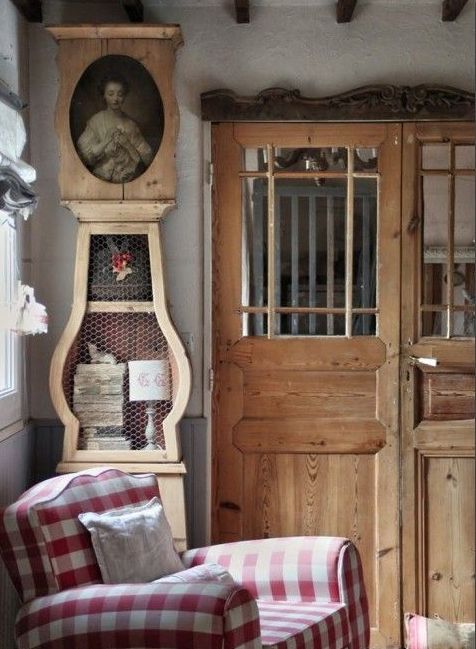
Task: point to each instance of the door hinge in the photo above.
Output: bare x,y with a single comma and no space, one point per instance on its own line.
210,173
211,379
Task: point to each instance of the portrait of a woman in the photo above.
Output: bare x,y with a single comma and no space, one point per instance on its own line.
118,142
112,145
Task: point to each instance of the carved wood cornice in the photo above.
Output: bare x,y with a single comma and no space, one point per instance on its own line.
385,103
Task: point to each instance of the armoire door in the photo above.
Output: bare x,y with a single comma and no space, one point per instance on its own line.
305,320
437,369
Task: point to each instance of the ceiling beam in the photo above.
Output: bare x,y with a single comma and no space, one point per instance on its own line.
30,9
451,9
134,10
344,10
242,8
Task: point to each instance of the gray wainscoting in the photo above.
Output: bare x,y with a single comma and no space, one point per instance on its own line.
48,449
16,475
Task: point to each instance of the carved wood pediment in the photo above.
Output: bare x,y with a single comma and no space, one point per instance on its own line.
367,103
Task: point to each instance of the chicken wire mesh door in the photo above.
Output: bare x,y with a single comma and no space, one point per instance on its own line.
119,330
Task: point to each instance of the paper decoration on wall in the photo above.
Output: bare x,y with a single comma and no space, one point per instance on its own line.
26,316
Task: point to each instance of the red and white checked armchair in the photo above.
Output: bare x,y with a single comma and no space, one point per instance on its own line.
300,593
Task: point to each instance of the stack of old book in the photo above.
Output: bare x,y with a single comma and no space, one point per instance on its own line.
98,401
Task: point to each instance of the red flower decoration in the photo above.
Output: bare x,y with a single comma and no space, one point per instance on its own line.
120,261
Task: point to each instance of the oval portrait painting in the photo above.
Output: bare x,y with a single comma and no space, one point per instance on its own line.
116,118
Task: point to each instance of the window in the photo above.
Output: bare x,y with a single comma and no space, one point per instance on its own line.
309,241
10,398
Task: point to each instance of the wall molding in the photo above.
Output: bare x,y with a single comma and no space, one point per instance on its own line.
381,103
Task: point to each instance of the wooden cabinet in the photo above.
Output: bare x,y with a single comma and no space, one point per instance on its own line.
117,122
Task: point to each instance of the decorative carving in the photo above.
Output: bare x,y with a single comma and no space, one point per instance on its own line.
368,103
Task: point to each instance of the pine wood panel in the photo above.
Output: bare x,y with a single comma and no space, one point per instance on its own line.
315,394
449,538
447,396
75,180
300,435
227,461
306,494
293,353
158,57
441,435
309,135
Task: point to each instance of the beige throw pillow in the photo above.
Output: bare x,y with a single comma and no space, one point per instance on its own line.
132,544
203,572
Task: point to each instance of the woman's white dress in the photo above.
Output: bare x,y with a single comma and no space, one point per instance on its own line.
120,166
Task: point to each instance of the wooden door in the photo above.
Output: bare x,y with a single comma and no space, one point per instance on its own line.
306,304
438,294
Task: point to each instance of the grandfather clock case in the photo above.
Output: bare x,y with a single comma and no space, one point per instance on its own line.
120,377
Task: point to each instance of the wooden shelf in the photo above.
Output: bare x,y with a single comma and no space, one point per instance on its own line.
120,307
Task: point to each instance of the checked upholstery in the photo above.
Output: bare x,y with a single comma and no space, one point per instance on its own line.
288,593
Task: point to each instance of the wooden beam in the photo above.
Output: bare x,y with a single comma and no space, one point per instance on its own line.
242,8
344,10
134,10
451,9
30,9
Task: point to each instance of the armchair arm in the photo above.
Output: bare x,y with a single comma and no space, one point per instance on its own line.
136,616
319,568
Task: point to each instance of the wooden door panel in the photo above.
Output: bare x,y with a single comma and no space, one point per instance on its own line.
437,402
312,394
305,428
446,396
449,537
312,494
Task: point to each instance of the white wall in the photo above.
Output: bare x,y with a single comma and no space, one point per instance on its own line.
299,47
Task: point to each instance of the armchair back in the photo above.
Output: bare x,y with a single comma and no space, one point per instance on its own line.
42,543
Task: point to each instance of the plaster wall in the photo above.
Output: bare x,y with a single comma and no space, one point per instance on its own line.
292,45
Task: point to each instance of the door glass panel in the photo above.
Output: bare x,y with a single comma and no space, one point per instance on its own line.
254,159
435,156
464,211
435,239
464,268
310,243
365,243
464,157
311,159
254,257
311,324
254,324
295,254
364,325
365,159
434,323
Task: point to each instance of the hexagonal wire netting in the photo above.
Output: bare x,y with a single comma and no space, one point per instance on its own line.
96,373
96,380
119,268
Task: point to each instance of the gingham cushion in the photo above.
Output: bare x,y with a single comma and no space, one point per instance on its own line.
136,616
321,569
307,625
302,568
353,594
44,546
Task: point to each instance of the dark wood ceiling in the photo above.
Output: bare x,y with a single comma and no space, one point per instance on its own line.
134,10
